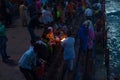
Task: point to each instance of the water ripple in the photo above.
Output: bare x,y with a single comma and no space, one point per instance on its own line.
113,18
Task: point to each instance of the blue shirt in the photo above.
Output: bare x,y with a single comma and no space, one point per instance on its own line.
83,36
28,60
68,45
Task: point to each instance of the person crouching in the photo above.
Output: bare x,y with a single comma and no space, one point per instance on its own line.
27,62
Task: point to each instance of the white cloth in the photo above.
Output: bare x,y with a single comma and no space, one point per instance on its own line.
41,42
88,12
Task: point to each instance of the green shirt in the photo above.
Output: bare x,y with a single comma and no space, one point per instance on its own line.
2,30
58,13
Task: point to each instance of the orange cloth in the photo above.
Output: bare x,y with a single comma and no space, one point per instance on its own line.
50,36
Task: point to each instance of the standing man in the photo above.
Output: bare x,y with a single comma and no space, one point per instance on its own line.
34,22
3,41
69,54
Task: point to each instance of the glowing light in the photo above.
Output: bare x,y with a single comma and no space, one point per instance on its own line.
62,39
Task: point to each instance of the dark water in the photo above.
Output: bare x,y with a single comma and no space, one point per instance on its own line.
113,21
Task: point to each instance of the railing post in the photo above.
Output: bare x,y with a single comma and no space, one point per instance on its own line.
107,64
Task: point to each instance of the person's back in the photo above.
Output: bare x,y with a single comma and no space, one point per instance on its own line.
32,9
68,45
27,59
69,42
83,36
99,25
33,24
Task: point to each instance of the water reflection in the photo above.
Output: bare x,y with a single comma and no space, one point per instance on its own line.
113,18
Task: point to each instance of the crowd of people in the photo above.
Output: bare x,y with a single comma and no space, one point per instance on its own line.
54,16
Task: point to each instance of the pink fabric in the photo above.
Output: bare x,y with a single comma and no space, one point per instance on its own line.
91,38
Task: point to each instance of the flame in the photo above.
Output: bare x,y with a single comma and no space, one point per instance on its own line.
62,39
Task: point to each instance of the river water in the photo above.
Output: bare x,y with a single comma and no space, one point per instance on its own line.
113,22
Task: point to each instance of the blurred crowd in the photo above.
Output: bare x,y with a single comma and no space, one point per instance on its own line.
54,17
